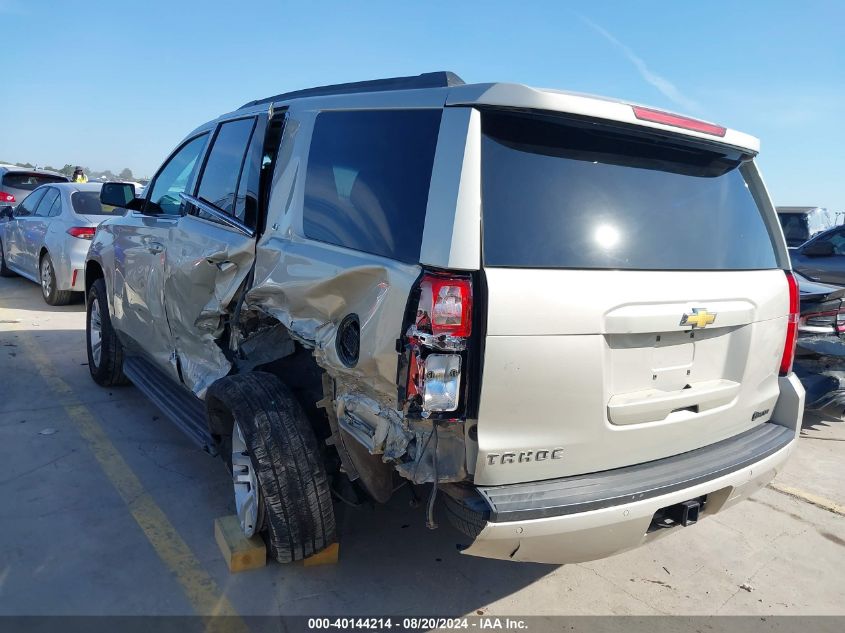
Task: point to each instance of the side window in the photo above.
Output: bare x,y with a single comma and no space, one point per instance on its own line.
366,185
43,209
27,206
175,177
219,181
837,238
56,209
246,203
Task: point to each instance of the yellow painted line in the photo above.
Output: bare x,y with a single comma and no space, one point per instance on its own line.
200,588
809,497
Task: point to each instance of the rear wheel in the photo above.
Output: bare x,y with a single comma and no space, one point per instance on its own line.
5,271
280,482
466,520
49,285
105,353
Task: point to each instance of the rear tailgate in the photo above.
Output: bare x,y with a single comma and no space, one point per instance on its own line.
637,304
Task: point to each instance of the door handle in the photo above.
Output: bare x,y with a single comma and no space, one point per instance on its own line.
155,247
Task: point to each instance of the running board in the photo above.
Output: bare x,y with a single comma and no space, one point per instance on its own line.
183,408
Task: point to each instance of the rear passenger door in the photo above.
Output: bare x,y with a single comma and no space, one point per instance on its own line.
17,250
212,248
38,225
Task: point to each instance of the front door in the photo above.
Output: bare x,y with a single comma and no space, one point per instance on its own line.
212,249
140,244
17,234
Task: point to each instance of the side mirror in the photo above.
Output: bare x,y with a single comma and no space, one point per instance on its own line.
6,212
117,194
818,249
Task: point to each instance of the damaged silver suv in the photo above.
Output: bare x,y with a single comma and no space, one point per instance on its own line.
574,316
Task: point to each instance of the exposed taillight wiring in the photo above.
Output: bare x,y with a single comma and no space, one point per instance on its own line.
437,340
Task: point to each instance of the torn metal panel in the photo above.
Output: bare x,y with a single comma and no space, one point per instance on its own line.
310,288
449,452
263,346
206,263
405,443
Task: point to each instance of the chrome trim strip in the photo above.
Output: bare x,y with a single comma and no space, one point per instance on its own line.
224,218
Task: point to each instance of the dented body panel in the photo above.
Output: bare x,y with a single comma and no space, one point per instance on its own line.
541,372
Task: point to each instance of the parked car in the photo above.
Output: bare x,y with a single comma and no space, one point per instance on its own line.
16,183
46,237
820,354
306,290
822,258
803,223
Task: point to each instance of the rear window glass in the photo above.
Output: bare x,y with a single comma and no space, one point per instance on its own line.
795,228
27,181
367,182
557,194
88,203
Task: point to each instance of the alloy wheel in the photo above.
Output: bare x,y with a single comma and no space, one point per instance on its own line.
46,277
95,332
248,501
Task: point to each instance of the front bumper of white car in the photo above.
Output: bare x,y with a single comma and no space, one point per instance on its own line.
583,518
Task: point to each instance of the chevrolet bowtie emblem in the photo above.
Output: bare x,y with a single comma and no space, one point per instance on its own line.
700,317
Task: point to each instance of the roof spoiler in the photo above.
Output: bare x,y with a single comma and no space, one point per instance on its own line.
440,79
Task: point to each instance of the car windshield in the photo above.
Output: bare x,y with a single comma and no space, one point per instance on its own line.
88,203
558,193
29,181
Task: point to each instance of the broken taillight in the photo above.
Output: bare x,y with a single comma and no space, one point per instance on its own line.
438,339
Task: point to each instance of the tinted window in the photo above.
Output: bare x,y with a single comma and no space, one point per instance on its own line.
560,195
47,202
795,228
30,202
837,239
56,209
246,203
367,181
88,203
175,177
219,182
27,181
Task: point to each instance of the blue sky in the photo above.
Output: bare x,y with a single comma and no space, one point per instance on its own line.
114,84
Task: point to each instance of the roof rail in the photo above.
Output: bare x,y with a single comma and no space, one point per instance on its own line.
440,79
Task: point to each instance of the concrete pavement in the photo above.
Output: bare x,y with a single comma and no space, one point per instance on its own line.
75,538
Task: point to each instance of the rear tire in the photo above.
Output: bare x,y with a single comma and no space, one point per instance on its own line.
49,285
466,520
105,353
5,271
298,516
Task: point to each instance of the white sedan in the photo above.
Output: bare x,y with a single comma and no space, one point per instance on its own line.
46,237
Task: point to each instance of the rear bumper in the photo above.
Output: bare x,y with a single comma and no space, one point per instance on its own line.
576,519
70,259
